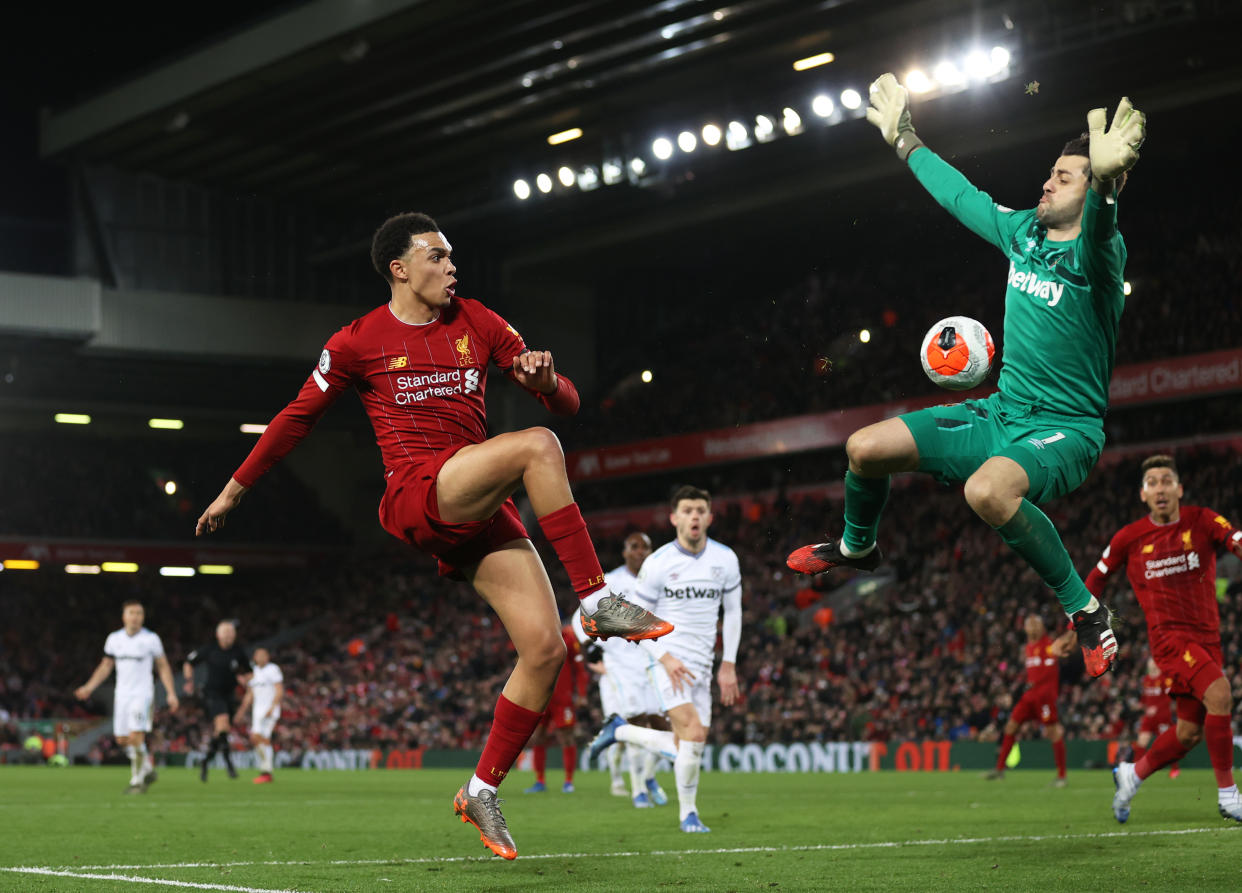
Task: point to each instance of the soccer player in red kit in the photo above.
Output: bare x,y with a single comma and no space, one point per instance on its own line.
561,717
1170,560
1157,712
1039,702
419,364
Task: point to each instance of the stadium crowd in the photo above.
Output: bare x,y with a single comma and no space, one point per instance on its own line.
934,652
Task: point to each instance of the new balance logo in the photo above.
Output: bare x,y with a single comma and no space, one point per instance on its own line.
1035,287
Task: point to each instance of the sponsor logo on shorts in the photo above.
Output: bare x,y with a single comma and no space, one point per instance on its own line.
1189,658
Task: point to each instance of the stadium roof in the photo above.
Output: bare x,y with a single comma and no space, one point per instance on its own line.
451,100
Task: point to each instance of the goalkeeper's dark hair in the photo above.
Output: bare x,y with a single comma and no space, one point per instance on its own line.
392,239
1081,146
1160,460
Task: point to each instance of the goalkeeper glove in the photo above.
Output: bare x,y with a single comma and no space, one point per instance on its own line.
1113,152
890,111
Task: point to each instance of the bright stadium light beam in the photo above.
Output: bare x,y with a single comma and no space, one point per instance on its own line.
638,166
21,564
999,58
566,176
612,171
170,487
119,567
712,135
252,428
823,105
83,569
1126,288
588,178
737,136
864,335
978,65
813,61
72,418
791,121
851,98
765,129
166,424
520,188
687,141
917,81
947,73
215,569
647,376
564,136
662,148
544,182
176,572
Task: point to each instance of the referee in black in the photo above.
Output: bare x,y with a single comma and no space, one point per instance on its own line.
227,666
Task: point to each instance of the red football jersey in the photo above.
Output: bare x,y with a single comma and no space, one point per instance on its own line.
422,385
1172,568
1156,696
1042,671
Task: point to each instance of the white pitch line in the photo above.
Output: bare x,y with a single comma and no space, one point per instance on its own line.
130,879
822,847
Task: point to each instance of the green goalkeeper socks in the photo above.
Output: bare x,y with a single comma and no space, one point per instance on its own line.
864,501
1031,535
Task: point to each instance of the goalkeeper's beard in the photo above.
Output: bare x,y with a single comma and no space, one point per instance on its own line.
1053,218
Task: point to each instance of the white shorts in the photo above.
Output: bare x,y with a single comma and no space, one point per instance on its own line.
628,694
131,713
263,726
698,692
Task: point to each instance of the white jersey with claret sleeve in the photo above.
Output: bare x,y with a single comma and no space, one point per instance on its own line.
688,591
135,660
263,684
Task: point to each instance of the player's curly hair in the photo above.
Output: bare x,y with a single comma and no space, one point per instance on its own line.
686,491
392,239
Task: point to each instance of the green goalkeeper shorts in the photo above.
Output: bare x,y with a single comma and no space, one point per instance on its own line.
1056,452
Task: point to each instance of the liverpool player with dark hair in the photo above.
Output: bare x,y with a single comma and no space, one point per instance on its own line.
1039,702
227,667
419,363
1170,560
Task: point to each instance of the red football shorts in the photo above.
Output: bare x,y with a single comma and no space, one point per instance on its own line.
411,513
559,715
1036,705
1192,666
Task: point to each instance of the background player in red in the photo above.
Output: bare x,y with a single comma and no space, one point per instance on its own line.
419,364
1170,560
561,717
1157,712
1039,702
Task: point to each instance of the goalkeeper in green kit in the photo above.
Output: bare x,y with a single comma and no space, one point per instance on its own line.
1042,432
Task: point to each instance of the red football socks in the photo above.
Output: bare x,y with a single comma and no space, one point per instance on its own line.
511,729
569,756
1218,736
1058,753
1164,750
539,755
1006,746
567,533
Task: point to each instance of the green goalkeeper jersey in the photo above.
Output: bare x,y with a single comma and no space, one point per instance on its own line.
1063,302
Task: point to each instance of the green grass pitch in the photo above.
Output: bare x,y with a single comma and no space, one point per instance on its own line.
376,831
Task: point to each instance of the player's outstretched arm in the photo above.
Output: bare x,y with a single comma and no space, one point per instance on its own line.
213,519
164,668
101,673
1115,150
890,112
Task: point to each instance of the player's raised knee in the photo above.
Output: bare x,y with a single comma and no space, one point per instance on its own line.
544,652
542,443
1189,738
983,495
